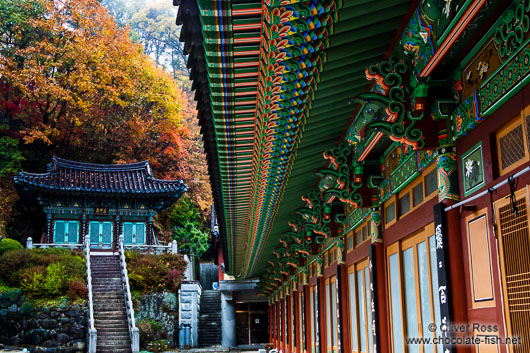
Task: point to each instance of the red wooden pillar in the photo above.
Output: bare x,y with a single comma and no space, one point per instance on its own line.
283,340
322,314
382,338
342,276
456,270
271,320
296,323
454,261
307,314
288,321
278,326
220,261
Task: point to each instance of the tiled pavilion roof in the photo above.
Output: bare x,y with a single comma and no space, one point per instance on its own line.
273,81
67,176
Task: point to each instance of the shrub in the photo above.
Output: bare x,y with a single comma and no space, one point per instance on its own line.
172,279
55,279
154,273
43,273
77,290
9,244
11,262
149,331
75,267
32,280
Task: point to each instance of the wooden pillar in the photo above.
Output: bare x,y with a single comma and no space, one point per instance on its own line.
447,226
307,314
270,321
83,228
288,336
48,228
220,261
282,318
296,319
150,231
322,324
278,324
378,293
342,294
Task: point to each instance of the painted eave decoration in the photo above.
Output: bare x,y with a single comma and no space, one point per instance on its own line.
278,83
273,83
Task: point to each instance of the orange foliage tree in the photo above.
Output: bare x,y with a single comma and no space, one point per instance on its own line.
83,89
73,84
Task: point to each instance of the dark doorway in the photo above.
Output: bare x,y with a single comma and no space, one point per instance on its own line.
252,323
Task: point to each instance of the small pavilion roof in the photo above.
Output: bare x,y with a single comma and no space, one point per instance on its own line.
86,178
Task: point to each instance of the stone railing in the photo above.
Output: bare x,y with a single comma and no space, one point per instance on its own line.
31,245
133,330
92,332
157,249
154,249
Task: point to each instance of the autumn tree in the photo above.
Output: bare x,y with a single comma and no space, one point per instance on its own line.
73,84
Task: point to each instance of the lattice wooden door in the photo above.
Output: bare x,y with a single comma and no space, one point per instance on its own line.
514,243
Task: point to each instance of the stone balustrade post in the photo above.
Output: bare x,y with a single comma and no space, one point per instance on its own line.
189,302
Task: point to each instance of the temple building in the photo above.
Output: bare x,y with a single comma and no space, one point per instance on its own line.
369,162
99,202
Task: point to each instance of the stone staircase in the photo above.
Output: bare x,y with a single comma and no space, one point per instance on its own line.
210,318
110,315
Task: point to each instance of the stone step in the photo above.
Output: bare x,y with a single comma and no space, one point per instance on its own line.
106,274
110,298
106,316
106,267
111,328
113,350
110,314
108,281
107,346
108,293
109,308
116,329
111,335
98,286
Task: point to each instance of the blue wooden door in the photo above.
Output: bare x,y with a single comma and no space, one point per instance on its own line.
133,233
101,236
65,232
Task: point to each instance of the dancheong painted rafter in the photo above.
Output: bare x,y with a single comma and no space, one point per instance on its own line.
273,91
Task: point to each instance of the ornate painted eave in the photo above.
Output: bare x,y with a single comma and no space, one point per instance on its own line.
279,78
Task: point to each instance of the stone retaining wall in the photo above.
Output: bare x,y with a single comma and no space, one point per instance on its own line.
161,308
53,330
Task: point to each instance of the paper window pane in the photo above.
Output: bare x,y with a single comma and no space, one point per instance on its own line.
410,298
395,300
353,311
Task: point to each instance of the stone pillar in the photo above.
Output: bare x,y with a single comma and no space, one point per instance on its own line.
228,320
189,302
